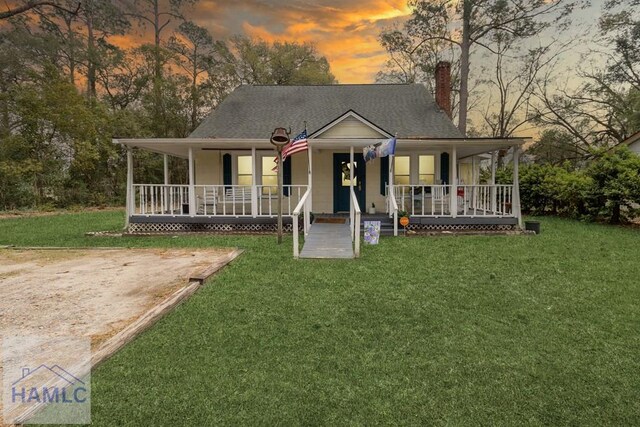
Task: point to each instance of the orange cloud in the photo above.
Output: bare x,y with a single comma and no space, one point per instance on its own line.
345,34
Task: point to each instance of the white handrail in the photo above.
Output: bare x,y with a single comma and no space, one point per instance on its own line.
394,211
296,213
355,222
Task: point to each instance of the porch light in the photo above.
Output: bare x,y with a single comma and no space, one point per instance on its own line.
280,138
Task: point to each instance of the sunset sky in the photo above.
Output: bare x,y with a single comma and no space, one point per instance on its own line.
345,31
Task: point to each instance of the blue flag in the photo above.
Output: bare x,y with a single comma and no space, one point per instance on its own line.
381,149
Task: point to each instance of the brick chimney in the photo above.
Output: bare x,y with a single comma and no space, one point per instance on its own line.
443,86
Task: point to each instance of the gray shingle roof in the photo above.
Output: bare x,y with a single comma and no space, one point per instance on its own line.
254,111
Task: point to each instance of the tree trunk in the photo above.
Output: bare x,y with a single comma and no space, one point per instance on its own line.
156,27
159,124
194,91
91,54
4,109
72,50
464,66
615,215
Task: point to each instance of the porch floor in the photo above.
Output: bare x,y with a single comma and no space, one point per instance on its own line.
328,241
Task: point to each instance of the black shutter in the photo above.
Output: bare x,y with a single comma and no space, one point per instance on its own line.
286,175
227,174
384,174
444,168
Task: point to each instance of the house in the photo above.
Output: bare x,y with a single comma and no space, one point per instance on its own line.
633,142
434,175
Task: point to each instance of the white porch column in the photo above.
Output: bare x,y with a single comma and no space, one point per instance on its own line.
310,177
130,202
351,206
454,182
254,187
165,192
192,188
351,156
475,179
390,191
493,183
515,198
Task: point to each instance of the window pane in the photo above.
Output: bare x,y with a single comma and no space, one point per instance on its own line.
427,165
244,166
427,179
402,180
267,165
244,180
402,165
270,180
346,175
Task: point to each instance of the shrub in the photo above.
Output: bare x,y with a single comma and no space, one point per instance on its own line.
607,188
616,184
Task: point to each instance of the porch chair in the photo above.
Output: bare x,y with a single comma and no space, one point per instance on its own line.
440,200
208,201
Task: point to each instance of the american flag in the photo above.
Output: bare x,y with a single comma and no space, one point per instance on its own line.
298,144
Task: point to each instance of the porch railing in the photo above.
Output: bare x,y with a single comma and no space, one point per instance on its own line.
154,199
423,200
435,200
215,200
267,198
486,200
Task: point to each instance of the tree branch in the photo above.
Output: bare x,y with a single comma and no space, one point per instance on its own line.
35,4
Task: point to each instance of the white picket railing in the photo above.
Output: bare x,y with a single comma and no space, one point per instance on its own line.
435,200
159,199
423,200
486,200
267,198
215,200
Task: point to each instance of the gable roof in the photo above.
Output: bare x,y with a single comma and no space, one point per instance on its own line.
350,115
254,111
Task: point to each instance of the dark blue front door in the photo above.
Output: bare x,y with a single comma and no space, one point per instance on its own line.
341,182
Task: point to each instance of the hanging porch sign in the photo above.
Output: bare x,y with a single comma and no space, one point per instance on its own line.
371,232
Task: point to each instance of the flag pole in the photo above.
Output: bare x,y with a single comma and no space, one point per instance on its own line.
309,169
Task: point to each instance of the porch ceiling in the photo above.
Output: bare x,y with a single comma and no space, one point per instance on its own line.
180,147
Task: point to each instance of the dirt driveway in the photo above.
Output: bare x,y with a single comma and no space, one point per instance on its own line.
90,293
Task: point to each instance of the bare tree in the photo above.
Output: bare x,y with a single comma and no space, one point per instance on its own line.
470,23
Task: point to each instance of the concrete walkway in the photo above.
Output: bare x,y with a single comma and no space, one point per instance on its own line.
328,241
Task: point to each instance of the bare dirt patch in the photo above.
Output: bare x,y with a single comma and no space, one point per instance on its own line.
90,293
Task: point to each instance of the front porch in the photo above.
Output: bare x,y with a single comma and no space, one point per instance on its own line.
233,190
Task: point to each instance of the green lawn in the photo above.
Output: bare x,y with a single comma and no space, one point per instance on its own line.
443,330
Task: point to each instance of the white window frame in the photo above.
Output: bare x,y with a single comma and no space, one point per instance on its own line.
414,165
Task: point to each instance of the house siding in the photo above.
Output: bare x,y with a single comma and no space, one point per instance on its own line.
350,127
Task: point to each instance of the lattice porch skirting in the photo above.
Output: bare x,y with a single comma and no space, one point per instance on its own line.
177,227
462,227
